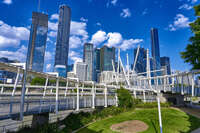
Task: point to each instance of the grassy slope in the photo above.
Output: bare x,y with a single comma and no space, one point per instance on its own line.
174,121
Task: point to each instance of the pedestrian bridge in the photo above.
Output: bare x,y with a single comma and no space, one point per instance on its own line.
21,98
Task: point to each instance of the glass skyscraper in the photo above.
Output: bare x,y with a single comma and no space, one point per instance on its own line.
37,42
106,56
88,58
96,63
155,50
62,43
141,62
165,61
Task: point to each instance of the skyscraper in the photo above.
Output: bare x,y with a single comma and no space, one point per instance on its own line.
165,62
62,43
96,63
80,70
37,42
107,55
155,49
88,58
141,62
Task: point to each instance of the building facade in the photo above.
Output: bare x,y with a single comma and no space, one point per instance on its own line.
141,62
165,63
155,50
107,55
62,43
96,64
80,70
37,42
88,58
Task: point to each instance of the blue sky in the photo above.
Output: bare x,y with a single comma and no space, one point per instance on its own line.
119,23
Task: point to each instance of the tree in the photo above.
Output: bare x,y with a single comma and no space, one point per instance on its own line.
124,98
192,52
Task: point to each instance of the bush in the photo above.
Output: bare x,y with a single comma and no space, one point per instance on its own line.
125,99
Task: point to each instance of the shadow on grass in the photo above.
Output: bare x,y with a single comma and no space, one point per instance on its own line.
194,123
154,126
86,130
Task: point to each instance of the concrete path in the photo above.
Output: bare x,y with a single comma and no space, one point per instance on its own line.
196,131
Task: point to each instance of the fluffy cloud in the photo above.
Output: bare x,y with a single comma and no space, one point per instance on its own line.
8,2
54,17
180,21
84,19
11,35
125,13
74,56
99,37
111,2
114,39
19,55
131,43
75,42
186,7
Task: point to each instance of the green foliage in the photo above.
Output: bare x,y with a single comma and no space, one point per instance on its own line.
191,54
38,81
125,99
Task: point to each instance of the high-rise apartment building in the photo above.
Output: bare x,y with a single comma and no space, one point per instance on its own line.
165,63
80,70
141,61
88,58
107,55
155,50
96,64
62,43
37,42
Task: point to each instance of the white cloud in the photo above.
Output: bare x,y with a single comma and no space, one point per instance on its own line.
53,26
114,2
98,24
131,43
114,39
180,21
75,42
144,12
125,13
8,2
186,7
74,56
193,1
54,16
79,29
11,35
99,37
19,55
83,19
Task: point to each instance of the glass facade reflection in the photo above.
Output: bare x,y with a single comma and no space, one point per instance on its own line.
155,50
106,56
37,42
88,58
96,63
62,43
61,70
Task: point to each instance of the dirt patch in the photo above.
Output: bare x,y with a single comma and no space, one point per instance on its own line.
134,126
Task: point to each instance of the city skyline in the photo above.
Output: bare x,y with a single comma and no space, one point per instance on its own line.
101,35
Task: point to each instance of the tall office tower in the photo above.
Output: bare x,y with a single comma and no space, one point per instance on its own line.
62,43
141,62
155,50
107,55
165,63
88,58
96,64
37,42
80,70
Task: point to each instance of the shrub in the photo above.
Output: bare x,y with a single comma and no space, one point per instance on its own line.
125,99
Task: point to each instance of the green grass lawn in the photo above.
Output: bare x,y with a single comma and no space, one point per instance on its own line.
174,121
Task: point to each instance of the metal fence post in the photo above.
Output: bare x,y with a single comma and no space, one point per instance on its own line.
105,94
77,96
57,91
93,96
